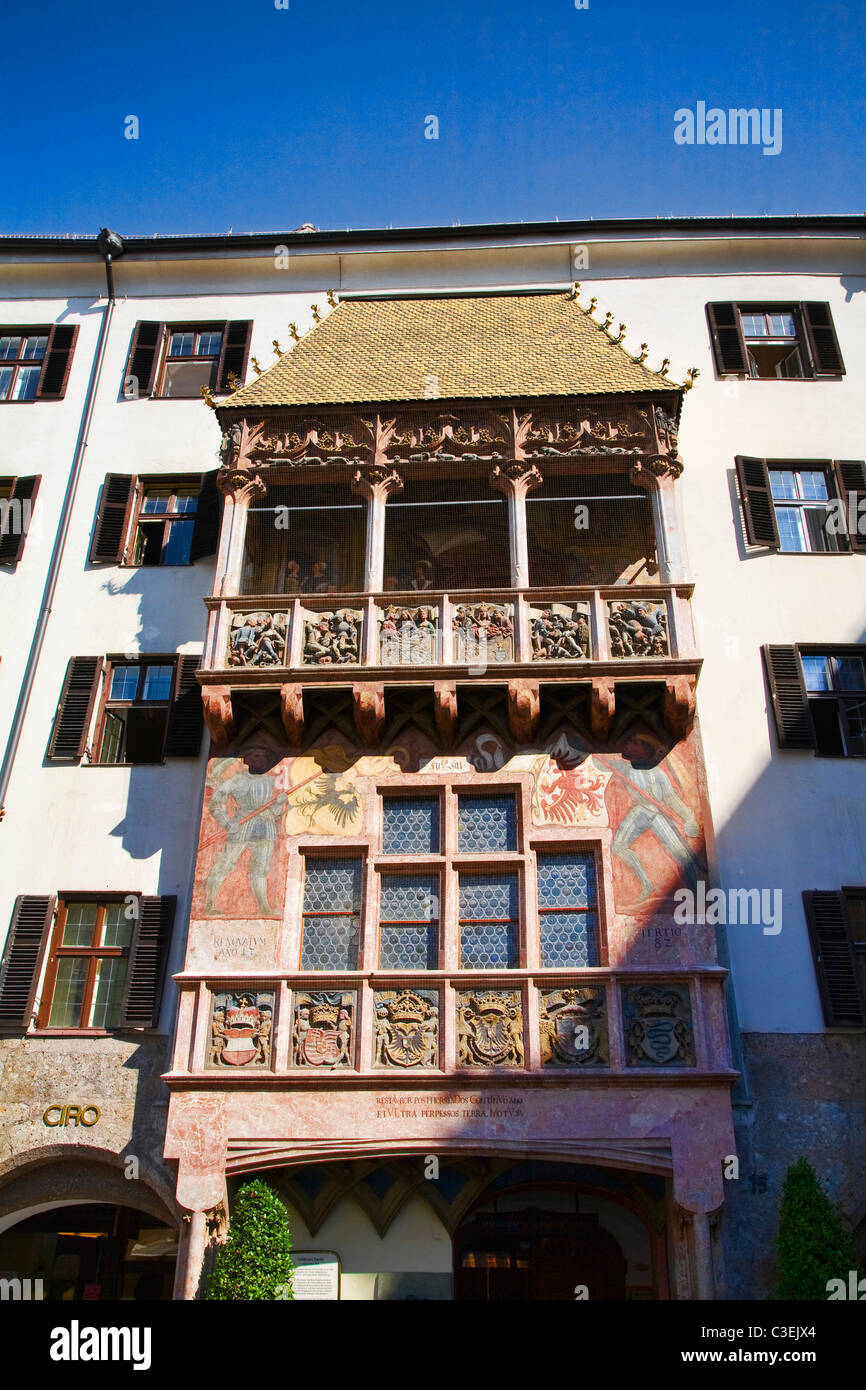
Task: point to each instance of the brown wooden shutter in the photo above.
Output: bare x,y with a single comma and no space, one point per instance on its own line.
58,362
729,345
790,701
835,965
185,717
235,352
822,341
206,531
148,957
77,698
12,541
851,482
144,355
112,520
22,958
758,509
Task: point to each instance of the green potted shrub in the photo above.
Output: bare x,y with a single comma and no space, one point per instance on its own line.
813,1245
256,1260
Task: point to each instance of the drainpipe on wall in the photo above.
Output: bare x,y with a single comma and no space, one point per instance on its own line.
110,245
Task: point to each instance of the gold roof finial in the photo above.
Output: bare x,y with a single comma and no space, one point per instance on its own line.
575,290
663,369
608,320
332,299
254,363
207,397
621,333
592,304
692,375
643,354
316,315
277,349
293,329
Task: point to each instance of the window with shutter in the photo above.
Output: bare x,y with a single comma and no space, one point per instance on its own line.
147,962
780,342
111,532
185,720
835,962
75,709
17,496
22,959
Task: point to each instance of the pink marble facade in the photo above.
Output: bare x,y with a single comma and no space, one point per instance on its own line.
656,1097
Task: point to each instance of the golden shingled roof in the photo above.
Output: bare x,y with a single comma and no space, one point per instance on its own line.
450,346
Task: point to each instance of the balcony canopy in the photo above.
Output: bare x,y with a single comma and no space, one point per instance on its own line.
451,347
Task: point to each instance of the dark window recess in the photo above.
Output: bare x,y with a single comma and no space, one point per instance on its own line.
112,520
185,718
135,712
17,496
837,933
22,958
835,682
774,341
35,361
819,699
156,521
75,708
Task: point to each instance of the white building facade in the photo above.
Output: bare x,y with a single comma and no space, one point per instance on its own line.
108,465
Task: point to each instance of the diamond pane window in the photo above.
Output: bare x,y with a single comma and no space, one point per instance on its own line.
332,904
488,922
409,922
567,910
487,824
410,825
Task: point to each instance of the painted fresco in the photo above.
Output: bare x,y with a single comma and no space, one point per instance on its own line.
643,799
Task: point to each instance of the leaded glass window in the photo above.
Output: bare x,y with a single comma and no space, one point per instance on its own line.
409,922
488,921
567,909
486,824
410,825
332,911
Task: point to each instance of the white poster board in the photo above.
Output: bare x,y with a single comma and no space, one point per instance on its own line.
317,1275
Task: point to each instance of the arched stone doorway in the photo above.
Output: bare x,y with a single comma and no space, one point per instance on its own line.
91,1251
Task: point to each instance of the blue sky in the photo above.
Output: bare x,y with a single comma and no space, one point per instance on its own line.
259,119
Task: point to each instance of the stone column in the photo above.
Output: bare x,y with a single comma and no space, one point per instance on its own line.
375,482
239,488
515,480
657,475
190,1255
703,1255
